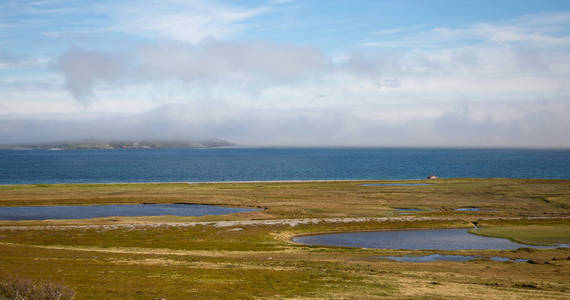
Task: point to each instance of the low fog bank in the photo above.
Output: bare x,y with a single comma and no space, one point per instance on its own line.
534,124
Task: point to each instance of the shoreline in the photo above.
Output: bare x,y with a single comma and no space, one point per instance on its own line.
251,181
439,179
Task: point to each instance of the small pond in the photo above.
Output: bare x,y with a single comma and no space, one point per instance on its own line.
395,184
468,209
99,211
432,239
407,209
506,259
443,257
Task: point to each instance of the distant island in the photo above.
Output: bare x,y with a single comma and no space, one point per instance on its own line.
99,145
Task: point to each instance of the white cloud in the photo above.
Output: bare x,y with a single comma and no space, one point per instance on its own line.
504,34
234,63
189,21
524,58
83,69
544,30
397,30
496,124
176,20
479,85
541,30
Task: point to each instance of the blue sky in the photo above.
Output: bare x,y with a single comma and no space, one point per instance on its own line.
335,73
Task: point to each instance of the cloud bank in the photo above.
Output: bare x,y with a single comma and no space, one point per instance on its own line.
189,70
496,124
207,62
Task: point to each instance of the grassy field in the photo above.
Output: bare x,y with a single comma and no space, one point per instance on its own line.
504,197
159,257
530,234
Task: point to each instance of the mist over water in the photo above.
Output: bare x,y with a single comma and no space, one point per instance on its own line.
253,164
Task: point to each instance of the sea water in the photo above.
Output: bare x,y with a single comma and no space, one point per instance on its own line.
263,164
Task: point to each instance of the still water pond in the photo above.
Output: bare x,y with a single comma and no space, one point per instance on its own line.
99,211
468,209
433,239
407,209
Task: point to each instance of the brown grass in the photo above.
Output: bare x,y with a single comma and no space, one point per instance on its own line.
257,261
18,288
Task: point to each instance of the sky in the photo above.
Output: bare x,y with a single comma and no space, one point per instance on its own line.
287,73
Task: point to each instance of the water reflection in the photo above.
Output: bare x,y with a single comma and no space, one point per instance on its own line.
433,239
99,211
407,209
468,209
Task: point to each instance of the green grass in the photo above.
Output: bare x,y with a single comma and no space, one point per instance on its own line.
176,238
503,197
136,264
529,234
206,262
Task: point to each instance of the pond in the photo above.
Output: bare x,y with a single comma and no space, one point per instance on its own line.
99,211
432,239
468,209
407,209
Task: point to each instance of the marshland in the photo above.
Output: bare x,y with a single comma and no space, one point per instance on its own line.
253,255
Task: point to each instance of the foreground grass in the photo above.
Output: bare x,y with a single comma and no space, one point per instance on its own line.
191,262
24,288
258,261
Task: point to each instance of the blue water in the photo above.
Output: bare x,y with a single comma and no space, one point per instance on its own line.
432,239
247,164
506,259
100,211
407,209
468,209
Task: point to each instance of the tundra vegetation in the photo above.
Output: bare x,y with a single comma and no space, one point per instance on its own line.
25,288
250,255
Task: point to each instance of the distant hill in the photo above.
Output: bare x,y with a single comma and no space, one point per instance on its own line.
90,145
